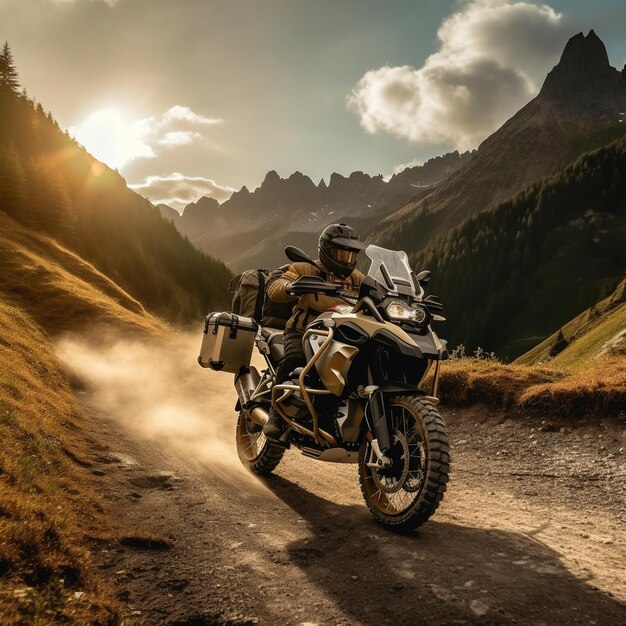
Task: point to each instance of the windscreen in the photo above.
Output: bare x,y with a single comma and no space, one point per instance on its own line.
390,265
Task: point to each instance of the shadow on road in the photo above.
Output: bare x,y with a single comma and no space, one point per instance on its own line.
444,573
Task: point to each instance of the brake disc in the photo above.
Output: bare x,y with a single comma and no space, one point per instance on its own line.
391,480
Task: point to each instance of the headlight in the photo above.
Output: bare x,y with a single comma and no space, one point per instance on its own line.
399,310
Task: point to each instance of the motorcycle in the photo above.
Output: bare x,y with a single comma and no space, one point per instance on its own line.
360,398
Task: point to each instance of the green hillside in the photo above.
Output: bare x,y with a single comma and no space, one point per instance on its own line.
50,184
511,277
598,331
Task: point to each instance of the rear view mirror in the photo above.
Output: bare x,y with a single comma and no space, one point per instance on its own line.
298,256
423,278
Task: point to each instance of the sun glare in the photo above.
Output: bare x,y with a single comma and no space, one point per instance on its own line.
109,137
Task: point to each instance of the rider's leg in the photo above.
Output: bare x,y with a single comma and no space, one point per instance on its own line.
292,359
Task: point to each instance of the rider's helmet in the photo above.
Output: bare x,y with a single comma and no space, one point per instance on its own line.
339,249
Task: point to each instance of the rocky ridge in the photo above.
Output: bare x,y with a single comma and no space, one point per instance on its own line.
235,229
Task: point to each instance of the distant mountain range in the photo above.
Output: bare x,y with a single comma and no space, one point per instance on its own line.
251,228
581,106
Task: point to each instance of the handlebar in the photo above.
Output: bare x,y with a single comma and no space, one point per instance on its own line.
312,284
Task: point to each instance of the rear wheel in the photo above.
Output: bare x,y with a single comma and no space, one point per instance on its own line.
255,450
406,494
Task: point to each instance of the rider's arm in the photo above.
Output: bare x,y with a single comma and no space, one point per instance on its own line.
277,288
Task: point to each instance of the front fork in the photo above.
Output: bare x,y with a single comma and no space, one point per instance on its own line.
380,428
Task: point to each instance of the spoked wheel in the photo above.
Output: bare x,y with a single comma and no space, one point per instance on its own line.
406,494
255,450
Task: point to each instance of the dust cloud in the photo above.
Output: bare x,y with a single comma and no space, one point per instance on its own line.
155,387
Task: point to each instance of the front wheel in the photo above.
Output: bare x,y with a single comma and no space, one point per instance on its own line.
255,450
406,494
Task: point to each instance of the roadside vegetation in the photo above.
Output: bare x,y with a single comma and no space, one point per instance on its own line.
596,388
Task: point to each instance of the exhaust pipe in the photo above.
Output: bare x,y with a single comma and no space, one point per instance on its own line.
259,416
245,384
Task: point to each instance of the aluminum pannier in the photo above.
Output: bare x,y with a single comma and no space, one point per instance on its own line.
227,342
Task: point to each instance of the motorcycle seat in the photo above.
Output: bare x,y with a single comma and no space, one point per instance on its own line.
275,342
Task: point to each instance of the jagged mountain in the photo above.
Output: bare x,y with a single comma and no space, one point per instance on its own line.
244,231
581,106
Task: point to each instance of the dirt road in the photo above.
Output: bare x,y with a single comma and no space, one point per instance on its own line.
531,530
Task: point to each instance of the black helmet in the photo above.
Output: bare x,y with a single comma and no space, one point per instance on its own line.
339,249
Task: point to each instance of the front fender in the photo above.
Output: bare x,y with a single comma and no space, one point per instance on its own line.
394,387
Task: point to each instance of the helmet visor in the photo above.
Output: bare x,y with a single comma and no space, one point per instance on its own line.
345,257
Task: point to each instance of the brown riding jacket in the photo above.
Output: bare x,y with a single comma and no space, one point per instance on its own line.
309,306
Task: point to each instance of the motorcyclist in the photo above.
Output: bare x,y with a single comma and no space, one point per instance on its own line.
338,251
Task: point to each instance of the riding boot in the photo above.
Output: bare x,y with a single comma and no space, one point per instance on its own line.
293,358
274,426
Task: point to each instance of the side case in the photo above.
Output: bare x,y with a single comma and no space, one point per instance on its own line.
227,342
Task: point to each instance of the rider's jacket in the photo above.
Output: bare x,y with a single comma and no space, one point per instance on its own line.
309,306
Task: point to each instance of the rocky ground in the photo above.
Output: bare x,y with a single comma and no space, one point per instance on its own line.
531,530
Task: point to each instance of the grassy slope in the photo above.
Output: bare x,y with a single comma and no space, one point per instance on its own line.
586,334
47,507
50,184
59,289
583,379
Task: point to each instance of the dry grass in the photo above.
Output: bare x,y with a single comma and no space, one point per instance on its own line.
48,511
46,505
599,388
468,381
60,290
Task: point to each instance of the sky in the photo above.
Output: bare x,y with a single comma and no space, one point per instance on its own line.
200,97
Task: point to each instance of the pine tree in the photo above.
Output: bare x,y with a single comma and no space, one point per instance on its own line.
9,79
12,183
49,206
560,343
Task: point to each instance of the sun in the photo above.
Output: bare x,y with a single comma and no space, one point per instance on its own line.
111,138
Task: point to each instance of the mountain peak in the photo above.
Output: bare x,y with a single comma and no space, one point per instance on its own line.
584,66
585,54
271,177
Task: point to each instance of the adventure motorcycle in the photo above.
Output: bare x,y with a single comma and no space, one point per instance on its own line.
359,399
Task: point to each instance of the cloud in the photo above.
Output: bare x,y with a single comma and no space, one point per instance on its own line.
176,127
179,138
179,114
111,3
178,190
116,141
492,58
